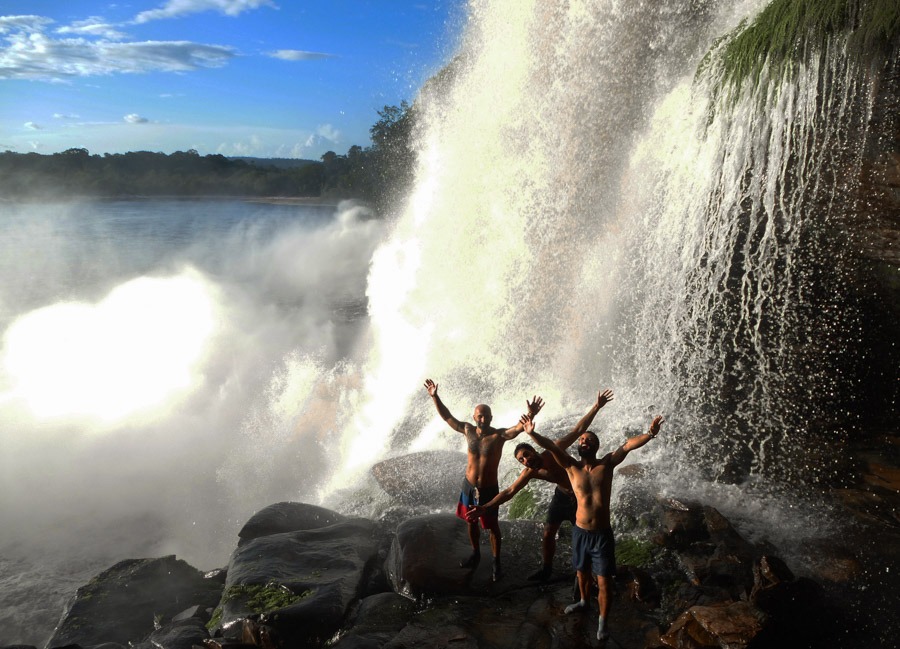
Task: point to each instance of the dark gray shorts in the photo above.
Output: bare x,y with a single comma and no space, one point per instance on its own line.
594,552
562,508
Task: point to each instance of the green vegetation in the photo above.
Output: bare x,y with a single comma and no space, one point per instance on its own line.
523,504
263,598
632,552
375,174
215,619
787,32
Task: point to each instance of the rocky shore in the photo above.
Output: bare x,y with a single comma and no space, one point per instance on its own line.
305,576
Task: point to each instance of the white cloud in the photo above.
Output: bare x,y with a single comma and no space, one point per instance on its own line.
64,116
31,126
18,23
300,55
176,8
93,26
328,132
134,118
35,56
251,146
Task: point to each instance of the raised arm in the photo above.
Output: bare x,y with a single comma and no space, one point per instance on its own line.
637,441
507,494
584,423
559,455
452,421
534,407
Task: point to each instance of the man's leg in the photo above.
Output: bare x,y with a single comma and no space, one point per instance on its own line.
494,528
604,587
474,539
584,591
548,550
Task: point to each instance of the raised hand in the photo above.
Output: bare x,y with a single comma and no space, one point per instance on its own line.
534,407
654,426
604,397
527,423
431,386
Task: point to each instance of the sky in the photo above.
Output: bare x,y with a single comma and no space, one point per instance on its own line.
262,78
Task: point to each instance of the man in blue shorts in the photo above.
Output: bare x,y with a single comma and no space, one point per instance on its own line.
593,545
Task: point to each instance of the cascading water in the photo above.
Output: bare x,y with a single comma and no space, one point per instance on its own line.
592,211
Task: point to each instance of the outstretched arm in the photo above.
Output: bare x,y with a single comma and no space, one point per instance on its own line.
475,512
563,458
534,407
637,441
452,421
584,423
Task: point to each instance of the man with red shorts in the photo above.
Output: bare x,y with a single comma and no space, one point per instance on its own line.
485,446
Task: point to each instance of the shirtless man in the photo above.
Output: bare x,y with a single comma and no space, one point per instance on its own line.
593,546
485,445
544,467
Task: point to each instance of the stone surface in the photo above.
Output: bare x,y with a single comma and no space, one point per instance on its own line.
327,567
426,552
429,478
287,517
728,626
120,604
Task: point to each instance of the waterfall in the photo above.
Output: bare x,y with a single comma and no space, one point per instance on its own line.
592,211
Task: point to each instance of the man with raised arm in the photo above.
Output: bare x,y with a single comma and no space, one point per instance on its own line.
485,445
544,466
593,546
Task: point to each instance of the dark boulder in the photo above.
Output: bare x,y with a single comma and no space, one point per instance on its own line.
377,620
428,478
299,585
287,517
121,604
426,552
731,625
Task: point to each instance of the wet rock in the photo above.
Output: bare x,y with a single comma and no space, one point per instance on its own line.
426,552
120,604
728,626
287,517
428,478
300,583
682,523
638,586
526,617
377,619
182,634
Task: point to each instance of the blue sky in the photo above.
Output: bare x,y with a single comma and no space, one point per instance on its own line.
265,78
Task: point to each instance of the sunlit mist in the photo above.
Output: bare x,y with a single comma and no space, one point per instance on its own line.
132,351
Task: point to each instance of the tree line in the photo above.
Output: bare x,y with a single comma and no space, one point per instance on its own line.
374,174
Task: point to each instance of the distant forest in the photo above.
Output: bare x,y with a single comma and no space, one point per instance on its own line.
373,174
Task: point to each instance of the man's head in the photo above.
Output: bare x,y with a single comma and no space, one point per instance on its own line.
482,415
588,444
525,454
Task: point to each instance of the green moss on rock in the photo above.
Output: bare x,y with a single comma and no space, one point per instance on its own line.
523,505
263,598
632,552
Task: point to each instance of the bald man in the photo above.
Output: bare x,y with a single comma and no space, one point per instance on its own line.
485,446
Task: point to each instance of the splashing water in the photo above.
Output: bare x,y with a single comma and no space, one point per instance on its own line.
591,211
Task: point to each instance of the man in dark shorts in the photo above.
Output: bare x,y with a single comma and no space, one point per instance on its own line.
485,446
543,466
593,545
